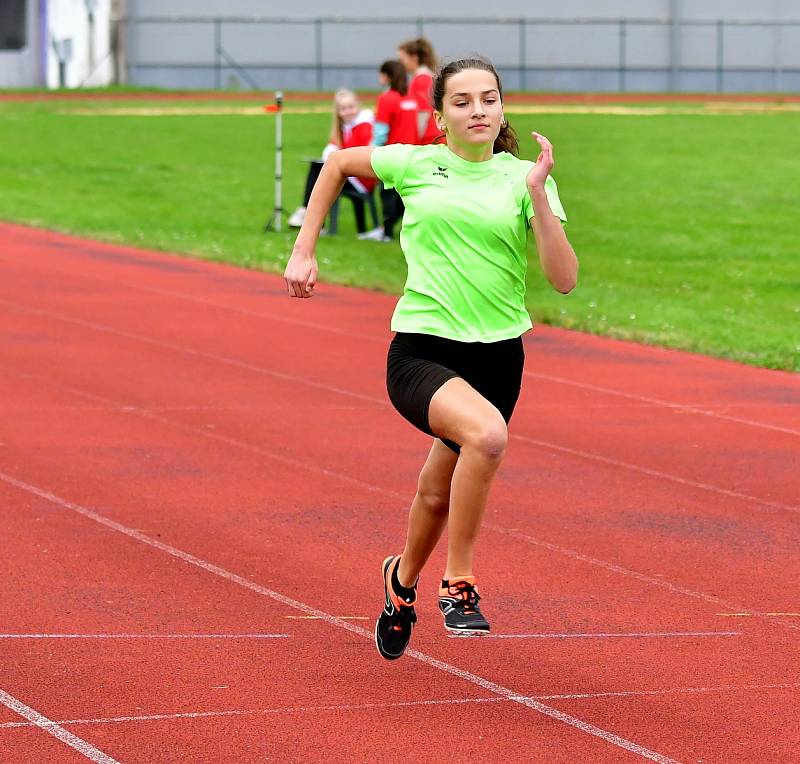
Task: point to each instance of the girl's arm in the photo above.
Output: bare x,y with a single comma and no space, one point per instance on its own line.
301,270
558,259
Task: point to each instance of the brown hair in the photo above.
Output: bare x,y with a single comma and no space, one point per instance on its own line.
507,138
422,49
398,80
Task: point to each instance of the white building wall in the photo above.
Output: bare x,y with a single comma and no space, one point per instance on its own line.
20,68
57,20
69,20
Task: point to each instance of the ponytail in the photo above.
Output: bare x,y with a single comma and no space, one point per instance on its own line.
398,80
422,49
506,140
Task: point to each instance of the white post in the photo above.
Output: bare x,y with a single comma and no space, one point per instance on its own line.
278,159
119,40
91,9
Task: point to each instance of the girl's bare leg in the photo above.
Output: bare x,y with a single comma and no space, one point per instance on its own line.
428,515
461,414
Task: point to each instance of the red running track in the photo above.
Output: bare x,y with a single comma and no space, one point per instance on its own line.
199,478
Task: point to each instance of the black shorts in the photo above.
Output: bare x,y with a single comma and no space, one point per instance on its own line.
419,364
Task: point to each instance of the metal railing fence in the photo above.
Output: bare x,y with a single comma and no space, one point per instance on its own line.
573,54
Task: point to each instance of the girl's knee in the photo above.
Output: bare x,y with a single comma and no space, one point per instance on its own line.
489,440
433,499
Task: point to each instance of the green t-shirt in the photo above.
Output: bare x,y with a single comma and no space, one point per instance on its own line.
464,237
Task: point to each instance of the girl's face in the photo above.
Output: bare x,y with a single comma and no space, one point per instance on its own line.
383,78
471,108
347,109
410,63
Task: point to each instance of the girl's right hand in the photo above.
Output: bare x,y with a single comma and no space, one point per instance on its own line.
301,274
544,163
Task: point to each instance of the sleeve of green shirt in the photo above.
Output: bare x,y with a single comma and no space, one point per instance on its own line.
390,164
551,190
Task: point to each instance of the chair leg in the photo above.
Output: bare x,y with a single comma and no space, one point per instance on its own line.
373,210
358,209
333,218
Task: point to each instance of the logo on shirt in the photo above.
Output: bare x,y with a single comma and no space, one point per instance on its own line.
442,171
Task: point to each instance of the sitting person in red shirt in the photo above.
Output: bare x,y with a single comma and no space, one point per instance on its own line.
395,122
352,126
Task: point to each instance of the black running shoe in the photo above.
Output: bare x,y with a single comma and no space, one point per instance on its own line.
458,601
394,625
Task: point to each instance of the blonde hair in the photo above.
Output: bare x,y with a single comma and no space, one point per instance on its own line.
340,95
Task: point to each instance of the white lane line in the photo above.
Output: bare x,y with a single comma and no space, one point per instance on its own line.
486,684
235,362
314,618
661,402
654,473
673,691
382,402
614,635
54,729
261,711
202,301
164,409
745,615
146,413
410,703
307,466
702,410
614,568
144,636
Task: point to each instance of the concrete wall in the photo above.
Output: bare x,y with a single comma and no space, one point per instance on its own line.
619,44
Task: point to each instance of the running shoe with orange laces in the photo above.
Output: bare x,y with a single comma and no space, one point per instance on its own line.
396,621
458,601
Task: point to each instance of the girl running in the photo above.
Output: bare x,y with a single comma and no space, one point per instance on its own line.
351,126
419,60
455,363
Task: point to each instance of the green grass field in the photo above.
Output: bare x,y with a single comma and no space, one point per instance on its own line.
686,225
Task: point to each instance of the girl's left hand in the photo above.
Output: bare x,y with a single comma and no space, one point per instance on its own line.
544,163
